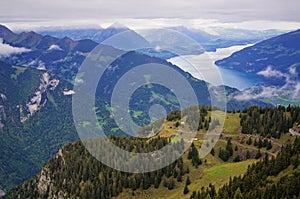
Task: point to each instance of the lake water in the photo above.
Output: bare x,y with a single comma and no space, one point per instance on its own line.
203,67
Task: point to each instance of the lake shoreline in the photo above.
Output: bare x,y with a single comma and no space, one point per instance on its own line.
203,67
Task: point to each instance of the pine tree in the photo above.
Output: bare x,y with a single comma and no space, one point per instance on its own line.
249,141
229,147
171,184
212,152
258,154
185,190
269,145
188,181
238,194
248,155
237,159
236,148
179,177
194,155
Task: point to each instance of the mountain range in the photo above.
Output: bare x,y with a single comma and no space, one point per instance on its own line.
210,39
62,56
98,34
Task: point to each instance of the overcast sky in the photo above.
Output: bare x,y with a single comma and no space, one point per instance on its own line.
254,14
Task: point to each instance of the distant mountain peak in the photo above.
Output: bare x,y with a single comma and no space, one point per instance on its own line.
28,33
4,29
67,39
117,25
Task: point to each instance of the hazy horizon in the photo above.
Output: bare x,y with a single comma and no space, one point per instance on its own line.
198,14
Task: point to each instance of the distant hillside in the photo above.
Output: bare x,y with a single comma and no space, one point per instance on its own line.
219,38
96,34
281,54
75,34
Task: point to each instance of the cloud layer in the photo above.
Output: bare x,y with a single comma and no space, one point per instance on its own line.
82,10
290,90
7,50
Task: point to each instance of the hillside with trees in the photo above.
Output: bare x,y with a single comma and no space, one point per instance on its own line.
237,166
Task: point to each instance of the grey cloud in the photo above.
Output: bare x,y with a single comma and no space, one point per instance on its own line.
231,10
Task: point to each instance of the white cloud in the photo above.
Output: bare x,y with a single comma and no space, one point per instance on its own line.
54,47
257,93
78,81
293,71
290,90
41,65
269,73
6,50
297,91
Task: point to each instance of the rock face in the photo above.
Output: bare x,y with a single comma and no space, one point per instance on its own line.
37,101
44,182
2,110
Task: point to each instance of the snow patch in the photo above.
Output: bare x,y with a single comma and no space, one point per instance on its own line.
70,92
3,97
54,47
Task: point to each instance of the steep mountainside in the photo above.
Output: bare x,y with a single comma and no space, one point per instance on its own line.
30,102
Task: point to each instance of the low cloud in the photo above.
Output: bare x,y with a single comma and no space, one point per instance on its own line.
6,50
290,90
54,47
293,71
257,92
269,73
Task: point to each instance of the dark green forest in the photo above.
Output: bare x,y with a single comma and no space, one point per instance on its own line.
85,177
269,122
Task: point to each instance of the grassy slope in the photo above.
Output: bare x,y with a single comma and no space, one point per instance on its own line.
213,170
